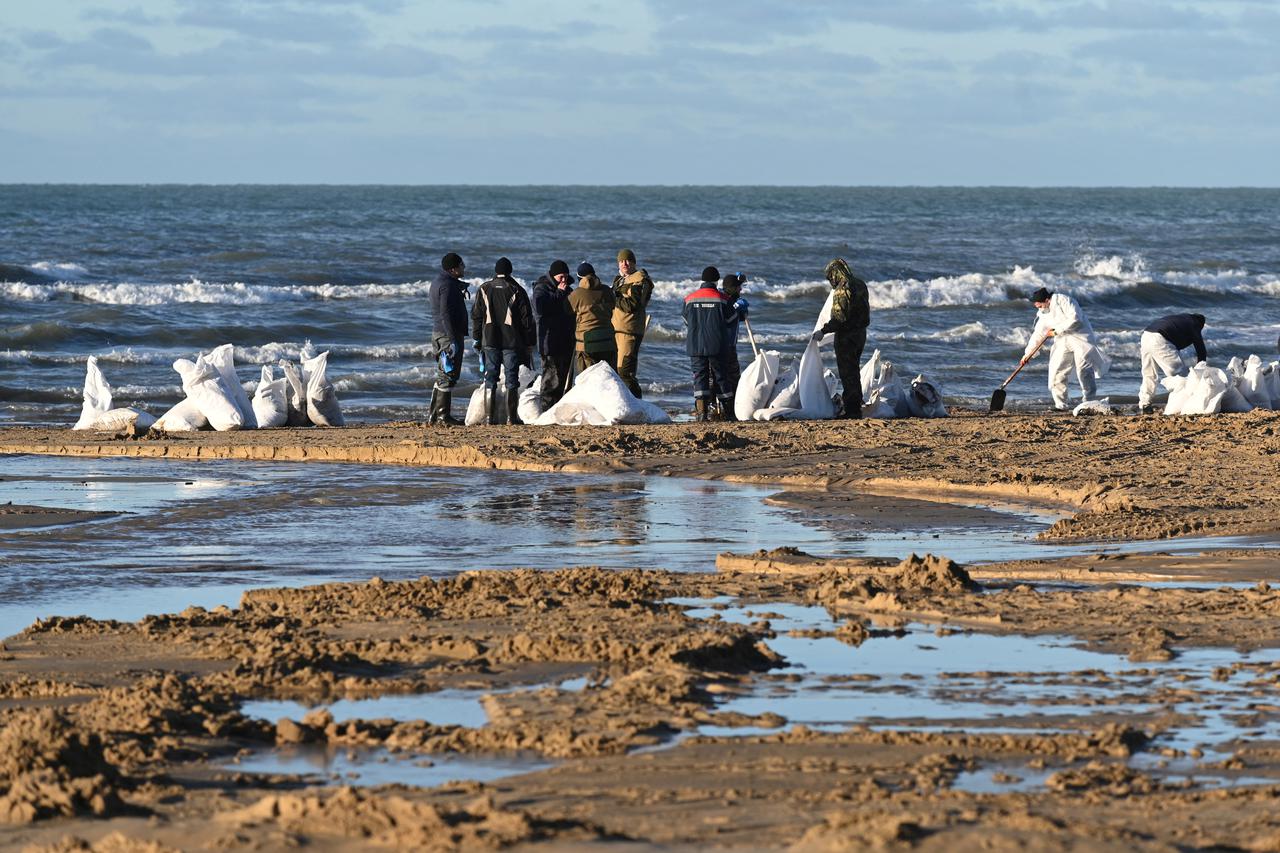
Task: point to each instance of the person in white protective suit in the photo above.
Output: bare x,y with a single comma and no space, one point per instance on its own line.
1075,347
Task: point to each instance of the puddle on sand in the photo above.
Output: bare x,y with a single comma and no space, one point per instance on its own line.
368,768
202,532
1002,683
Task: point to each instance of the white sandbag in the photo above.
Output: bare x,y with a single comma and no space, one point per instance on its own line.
529,407
878,407
1093,407
1205,389
119,420
868,373
322,399
1179,388
1254,386
777,413
270,408
599,397
756,385
183,417
1272,373
223,358
815,399
478,406
1233,401
786,391
886,399
203,384
295,395
97,395
925,400
823,316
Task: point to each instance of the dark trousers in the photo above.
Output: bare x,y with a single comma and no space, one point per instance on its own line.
732,373
586,359
504,359
555,377
849,365
708,376
448,362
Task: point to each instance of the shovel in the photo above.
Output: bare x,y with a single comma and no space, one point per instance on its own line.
751,337
998,395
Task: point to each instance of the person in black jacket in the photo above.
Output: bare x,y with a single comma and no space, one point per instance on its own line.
1161,342
556,324
502,324
448,296
706,314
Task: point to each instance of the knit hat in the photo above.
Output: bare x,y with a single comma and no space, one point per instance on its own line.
710,275
585,269
558,268
451,261
1041,295
626,255
733,279
502,267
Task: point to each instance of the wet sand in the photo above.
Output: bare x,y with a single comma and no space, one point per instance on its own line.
129,733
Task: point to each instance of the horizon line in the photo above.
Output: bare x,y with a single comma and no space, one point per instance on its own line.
645,186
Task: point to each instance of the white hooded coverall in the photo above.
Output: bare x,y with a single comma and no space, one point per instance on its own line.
1075,347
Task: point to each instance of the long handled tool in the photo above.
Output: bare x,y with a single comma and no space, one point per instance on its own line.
997,396
751,337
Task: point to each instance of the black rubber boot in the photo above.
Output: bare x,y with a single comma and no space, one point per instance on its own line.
726,409
433,414
491,401
701,411
513,402
446,409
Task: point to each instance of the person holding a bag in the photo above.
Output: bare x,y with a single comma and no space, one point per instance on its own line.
593,303
502,325
850,316
448,296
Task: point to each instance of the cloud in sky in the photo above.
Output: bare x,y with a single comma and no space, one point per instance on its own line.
534,91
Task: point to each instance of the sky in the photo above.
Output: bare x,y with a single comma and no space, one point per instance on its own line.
832,92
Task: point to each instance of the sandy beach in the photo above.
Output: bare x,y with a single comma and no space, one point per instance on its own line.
1120,697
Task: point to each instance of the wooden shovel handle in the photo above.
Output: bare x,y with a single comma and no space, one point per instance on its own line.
1023,363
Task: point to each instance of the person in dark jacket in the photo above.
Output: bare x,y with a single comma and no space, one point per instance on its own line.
1160,347
731,288
592,303
706,316
850,316
448,296
556,325
502,324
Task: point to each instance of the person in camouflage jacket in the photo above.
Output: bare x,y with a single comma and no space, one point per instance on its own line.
632,289
850,316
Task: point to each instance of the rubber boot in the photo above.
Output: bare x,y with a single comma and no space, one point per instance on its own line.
701,411
433,414
446,409
726,409
491,401
513,402
853,410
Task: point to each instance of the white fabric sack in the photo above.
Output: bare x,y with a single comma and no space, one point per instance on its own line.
756,385
529,407
1254,386
1233,401
97,395
786,392
868,373
878,407
815,399
1179,388
886,399
1093,407
224,359
600,397
322,399
1272,373
270,409
295,395
477,411
478,406
119,420
925,400
823,316
183,417
777,413
1208,385
203,384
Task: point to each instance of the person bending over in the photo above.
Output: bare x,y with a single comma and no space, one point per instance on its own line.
1161,342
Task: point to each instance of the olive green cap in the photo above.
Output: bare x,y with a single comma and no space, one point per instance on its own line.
626,255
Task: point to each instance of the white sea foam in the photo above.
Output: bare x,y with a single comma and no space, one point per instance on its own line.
63,271
196,291
1132,267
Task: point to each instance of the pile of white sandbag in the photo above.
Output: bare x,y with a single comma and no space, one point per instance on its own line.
478,408
216,399
97,414
1245,385
600,398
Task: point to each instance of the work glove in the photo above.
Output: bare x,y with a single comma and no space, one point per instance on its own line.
817,336
741,307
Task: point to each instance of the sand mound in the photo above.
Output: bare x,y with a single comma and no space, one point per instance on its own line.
48,769
929,574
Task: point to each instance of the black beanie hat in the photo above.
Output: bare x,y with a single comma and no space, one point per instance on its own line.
710,275
557,268
585,269
1041,295
451,261
502,267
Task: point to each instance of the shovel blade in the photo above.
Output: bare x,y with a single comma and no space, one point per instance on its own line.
997,400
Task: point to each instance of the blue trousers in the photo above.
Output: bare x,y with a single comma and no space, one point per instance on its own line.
495,359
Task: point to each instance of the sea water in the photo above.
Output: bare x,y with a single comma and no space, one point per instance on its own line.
142,275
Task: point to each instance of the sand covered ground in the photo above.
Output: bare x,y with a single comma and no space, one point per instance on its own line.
667,704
